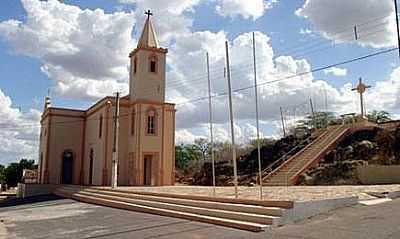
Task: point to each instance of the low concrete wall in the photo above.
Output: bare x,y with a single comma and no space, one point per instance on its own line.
379,174
29,190
307,209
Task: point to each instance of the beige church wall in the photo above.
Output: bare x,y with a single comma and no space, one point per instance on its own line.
169,146
43,148
151,143
124,132
147,92
132,144
93,141
160,146
145,84
66,132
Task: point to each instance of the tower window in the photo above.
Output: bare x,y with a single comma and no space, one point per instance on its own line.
100,126
153,63
153,66
151,123
134,65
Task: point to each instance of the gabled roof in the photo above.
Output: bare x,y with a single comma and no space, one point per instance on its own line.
149,37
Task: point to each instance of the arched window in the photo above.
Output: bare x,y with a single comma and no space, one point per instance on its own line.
91,159
153,64
134,65
40,167
151,122
133,115
100,126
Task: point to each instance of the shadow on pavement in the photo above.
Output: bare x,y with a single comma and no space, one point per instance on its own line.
13,201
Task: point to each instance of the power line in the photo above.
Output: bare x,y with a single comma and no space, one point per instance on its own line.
348,31
240,89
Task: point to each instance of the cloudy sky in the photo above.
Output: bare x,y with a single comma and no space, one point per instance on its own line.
79,50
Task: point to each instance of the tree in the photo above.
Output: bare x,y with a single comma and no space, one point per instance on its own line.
202,146
263,142
182,157
319,120
13,172
379,116
2,175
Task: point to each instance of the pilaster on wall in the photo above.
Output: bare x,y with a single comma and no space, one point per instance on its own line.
104,177
82,168
46,177
105,170
46,170
161,158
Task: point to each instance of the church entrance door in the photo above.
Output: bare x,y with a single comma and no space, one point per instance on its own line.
147,170
67,164
91,167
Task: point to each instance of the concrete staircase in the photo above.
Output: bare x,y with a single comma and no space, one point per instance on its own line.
289,171
251,215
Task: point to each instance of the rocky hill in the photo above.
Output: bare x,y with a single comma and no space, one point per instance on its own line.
247,164
377,146
374,146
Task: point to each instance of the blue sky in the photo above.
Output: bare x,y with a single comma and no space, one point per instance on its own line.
48,49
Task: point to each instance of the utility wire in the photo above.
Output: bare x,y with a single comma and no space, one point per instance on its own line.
237,89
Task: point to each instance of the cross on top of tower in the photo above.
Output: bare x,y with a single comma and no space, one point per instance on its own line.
148,13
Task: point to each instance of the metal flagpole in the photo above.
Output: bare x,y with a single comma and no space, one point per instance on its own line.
114,169
397,25
257,121
211,123
235,180
283,122
313,114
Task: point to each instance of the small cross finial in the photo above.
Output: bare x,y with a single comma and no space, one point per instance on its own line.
148,13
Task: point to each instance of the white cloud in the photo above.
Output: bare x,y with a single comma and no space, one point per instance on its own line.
336,71
85,53
335,20
385,95
18,132
171,17
305,31
246,9
298,89
76,46
172,6
244,132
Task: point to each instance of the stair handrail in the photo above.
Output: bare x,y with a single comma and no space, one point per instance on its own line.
283,157
270,168
339,132
289,170
332,129
336,133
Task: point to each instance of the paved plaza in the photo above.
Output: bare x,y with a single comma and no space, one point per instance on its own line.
66,218
292,193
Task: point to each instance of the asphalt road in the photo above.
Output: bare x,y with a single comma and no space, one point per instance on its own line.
69,219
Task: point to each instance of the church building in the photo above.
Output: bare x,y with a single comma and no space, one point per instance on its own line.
76,145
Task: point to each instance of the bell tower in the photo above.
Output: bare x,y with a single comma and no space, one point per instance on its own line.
148,66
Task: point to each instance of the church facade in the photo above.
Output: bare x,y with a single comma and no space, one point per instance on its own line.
76,145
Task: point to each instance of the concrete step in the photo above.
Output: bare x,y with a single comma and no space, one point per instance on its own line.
85,197
255,218
264,203
252,209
